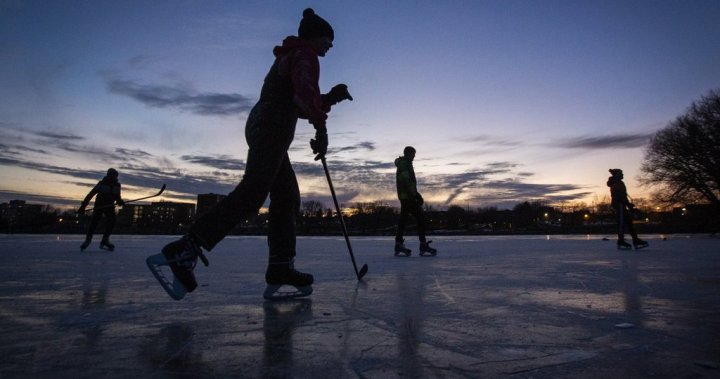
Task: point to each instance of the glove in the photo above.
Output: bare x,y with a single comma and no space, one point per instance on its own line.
81,210
120,202
336,95
319,145
420,199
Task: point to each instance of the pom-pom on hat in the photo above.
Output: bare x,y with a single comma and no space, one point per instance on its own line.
313,26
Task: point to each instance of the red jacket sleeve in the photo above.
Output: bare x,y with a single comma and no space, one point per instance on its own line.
305,74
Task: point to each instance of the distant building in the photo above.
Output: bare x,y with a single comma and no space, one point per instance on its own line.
167,214
133,215
19,214
207,201
159,217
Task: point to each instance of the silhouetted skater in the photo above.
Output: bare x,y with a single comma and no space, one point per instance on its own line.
290,91
411,203
623,207
108,194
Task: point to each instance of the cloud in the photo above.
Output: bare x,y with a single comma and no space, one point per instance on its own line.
621,141
366,145
456,184
47,168
133,153
17,150
187,184
358,178
179,97
58,136
355,179
223,162
6,196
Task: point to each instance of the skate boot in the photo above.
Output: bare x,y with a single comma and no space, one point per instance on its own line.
623,245
639,244
284,274
85,244
181,256
401,250
106,245
426,250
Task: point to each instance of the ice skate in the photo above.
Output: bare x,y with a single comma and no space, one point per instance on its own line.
181,256
284,274
426,250
639,244
85,244
401,250
623,245
106,245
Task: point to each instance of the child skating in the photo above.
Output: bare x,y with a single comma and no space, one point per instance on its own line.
623,208
290,91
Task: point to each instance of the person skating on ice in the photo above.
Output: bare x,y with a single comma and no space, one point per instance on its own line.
411,203
290,91
623,207
108,191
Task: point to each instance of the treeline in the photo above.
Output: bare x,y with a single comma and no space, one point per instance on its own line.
377,218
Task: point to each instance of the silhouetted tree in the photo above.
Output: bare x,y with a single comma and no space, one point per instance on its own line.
312,208
684,157
455,216
525,215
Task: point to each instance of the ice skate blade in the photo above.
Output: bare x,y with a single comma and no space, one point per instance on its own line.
624,248
428,254
639,247
108,248
403,254
175,289
272,292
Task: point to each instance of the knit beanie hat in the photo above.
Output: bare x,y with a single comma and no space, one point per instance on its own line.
313,26
112,173
615,172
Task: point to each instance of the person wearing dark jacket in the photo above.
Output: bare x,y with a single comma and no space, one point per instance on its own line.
290,91
108,194
411,203
623,209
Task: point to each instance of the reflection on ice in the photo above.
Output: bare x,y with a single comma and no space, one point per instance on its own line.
519,306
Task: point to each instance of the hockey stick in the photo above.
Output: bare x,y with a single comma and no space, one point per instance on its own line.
364,268
131,201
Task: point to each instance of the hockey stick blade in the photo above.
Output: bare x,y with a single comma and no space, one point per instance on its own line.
272,292
162,189
363,271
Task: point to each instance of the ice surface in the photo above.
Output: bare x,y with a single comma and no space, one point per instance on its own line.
518,306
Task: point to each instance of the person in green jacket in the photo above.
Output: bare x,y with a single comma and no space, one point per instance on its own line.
411,202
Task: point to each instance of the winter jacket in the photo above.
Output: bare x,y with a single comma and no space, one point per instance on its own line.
107,191
618,192
405,179
293,80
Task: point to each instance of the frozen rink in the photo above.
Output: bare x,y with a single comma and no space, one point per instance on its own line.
485,307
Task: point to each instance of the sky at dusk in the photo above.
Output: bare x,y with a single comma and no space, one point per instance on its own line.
505,101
